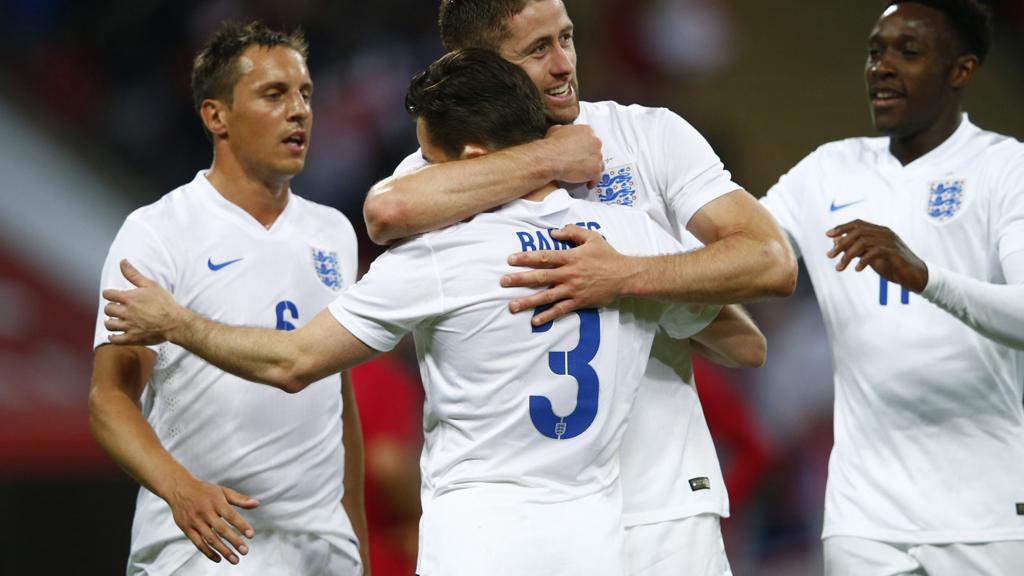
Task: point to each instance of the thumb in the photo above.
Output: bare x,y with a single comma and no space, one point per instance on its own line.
134,276
239,499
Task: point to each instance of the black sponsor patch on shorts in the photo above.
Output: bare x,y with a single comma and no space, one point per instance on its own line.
1020,508
703,483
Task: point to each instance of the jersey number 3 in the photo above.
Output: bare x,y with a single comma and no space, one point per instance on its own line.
575,363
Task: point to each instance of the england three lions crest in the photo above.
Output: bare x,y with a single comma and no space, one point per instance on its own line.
617,186
326,265
945,199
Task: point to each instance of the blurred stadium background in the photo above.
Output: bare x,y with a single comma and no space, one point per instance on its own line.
96,118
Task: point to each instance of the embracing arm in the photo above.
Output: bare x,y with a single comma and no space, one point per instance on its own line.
288,360
747,257
732,340
354,499
439,195
204,512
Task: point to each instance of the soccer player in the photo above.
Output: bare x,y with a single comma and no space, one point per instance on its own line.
236,245
522,423
657,162
927,472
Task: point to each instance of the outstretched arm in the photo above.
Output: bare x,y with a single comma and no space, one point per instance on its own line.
995,311
439,195
288,360
732,340
747,257
204,512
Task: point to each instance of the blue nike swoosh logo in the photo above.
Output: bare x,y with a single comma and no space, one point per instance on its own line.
834,207
216,267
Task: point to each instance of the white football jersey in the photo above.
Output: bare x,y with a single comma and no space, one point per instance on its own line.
929,423
658,163
284,450
522,424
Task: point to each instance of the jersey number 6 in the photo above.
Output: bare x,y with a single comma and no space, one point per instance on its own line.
575,363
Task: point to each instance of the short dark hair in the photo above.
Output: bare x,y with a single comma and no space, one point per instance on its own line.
971,20
474,96
476,23
215,69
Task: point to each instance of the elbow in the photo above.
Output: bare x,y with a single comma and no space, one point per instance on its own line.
756,353
293,377
384,214
780,277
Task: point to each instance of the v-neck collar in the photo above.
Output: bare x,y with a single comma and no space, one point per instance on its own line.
237,213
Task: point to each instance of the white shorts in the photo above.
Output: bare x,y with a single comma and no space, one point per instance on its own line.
692,546
270,554
849,556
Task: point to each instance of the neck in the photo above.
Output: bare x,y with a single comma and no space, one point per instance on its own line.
262,197
906,149
541,193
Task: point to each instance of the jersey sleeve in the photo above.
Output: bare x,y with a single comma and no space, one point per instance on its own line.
691,174
786,197
413,161
1010,209
680,320
139,244
401,290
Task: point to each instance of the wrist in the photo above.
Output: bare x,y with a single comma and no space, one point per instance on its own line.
180,325
634,284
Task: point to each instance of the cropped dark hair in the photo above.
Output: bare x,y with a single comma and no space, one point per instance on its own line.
476,23
475,96
971,20
215,69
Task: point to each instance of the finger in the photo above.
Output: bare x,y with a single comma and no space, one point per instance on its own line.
114,295
134,276
217,544
856,250
201,544
239,499
532,279
873,255
116,325
542,298
227,532
574,234
114,310
538,259
843,243
555,312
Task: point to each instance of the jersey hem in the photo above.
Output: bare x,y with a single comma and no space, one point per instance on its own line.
928,537
677,513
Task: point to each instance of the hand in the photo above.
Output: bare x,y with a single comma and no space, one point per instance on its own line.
880,248
145,315
589,276
206,514
579,152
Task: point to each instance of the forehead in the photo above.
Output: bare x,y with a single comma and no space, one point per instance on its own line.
259,64
539,19
913,20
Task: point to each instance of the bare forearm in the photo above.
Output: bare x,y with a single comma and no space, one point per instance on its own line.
736,268
256,354
732,340
118,426
439,195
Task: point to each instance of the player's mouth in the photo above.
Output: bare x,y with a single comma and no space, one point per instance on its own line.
885,97
563,93
296,141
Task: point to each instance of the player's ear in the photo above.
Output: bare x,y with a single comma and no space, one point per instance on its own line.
473,151
214,115
963,70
